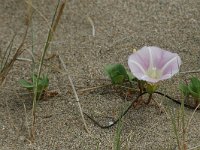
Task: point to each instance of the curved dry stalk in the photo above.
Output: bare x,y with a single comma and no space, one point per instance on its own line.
39,12
191,71
79,105
92,24
192,116
75,94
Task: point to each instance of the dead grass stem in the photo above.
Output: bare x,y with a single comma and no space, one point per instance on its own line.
76,96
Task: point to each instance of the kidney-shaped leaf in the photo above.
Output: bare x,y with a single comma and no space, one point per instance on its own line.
117,73
194,87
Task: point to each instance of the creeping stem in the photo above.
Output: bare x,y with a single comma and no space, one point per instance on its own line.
125,112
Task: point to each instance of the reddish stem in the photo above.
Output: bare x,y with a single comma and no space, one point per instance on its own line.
149,99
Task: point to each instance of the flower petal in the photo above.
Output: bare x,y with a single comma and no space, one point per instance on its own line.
149,79
172,66
142,62
142,57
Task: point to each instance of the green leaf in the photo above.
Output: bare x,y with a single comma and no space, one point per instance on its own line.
118,79
184,89
43,83
26,84
117,73
194,87
34,79
130,76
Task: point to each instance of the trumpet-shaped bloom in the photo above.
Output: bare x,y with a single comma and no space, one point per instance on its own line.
153,64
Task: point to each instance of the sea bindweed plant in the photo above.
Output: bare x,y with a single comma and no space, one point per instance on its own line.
149,66
153,64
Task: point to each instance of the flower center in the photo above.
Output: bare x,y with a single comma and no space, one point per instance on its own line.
154,73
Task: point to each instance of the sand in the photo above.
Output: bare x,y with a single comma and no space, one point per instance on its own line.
120,27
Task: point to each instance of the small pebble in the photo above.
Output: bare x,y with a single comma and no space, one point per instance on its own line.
110,123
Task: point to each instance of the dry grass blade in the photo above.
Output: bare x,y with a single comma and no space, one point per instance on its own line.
30,4
60,11
6,55
92,24
75,94
190,120
9,65
54,24
191,71
79,105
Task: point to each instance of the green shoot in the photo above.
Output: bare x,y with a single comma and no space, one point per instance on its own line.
175,128
117,141
43,83
179,126
117,138
54,23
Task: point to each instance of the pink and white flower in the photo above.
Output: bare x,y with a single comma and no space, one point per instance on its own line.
153,64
